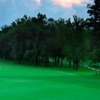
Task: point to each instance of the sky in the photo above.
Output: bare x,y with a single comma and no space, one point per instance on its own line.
10,10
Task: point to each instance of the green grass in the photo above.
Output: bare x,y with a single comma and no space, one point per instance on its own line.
23,82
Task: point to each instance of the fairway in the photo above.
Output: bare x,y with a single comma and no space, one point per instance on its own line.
23,82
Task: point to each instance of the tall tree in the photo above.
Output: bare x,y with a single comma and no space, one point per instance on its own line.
76,41
94,23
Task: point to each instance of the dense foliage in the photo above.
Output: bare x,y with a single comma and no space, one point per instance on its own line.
39,39
94,24
43,41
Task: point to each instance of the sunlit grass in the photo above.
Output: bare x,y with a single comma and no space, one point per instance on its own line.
28,82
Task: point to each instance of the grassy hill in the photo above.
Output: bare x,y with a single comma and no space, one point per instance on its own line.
23,82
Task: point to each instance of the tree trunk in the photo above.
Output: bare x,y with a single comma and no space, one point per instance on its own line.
76,64
58,60
69,63
61,61
37,59
55,61
46,61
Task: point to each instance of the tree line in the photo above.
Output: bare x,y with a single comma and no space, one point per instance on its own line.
40,39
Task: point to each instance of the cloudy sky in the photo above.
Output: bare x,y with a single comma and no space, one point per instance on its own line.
13,9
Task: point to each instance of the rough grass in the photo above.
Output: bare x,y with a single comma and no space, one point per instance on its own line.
23,82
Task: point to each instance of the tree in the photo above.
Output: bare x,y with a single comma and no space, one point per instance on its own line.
76,38
94,23
38,40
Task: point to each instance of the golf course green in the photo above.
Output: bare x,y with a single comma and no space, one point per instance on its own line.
24,82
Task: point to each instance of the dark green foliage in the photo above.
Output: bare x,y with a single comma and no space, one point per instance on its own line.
94,23
77,41
40,40
96,56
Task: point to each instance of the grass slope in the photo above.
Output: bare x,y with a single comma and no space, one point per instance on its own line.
20,82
